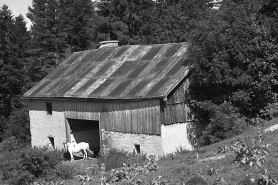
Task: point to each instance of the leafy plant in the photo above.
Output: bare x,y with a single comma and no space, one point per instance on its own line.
222,150
267,179
254,154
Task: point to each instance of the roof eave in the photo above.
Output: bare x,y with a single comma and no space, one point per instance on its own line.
166,94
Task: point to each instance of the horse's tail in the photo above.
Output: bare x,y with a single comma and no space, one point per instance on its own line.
90,151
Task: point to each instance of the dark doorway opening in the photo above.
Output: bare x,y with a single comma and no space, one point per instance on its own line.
86,131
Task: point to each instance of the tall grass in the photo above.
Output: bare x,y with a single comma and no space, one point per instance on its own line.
115,159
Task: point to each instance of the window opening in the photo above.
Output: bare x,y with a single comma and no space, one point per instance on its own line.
49,108
137,148
51,139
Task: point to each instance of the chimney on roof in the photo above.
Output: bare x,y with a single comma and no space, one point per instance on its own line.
109,43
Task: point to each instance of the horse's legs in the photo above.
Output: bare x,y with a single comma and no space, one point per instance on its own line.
71,157
86,154
83,154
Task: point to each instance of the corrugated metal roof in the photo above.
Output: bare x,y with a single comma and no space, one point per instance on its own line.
126,72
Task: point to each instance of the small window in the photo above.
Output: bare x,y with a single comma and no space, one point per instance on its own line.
137,148
49,108
51,139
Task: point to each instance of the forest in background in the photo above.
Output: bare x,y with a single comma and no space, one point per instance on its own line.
233,54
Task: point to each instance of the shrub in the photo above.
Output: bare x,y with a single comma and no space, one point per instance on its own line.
13,170
216,122
40,160
28,164
115,159
10,144
18,126
65,171
270,111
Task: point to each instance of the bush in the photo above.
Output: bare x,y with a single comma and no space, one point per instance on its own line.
270,111
10,144
217,122
18,126
40,160
115,159
28,164
65,171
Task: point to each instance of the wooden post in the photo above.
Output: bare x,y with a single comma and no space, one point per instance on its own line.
68,132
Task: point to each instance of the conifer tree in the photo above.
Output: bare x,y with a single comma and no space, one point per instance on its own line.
75,17
48,46
124,20
12,72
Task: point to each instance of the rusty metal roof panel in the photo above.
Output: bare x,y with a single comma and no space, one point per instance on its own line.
127,72
73,57
98,91
91,55
120,88
87,83
152,52
38,88
102,72
172,50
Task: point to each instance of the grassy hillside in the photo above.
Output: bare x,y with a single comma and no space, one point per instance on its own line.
185,165
237,160
211,163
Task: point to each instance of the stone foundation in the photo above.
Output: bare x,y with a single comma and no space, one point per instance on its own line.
149,144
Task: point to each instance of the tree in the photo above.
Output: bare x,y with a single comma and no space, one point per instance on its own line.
59,27
75,17
234,61
173,21
124,20
48,46
18,126
12,72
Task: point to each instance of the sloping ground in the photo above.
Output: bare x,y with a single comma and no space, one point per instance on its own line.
220,168
215,168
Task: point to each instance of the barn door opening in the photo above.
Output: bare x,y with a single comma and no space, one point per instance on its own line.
85,131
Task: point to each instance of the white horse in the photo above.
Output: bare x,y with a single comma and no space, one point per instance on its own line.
78,147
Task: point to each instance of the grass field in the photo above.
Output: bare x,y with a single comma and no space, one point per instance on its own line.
184,165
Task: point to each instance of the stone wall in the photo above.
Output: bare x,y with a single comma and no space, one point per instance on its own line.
174,137
43,125
149,144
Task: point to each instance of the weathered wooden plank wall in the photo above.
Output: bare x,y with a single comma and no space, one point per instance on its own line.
142,116
175,109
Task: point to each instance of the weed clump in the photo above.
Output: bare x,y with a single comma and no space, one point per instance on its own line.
115,159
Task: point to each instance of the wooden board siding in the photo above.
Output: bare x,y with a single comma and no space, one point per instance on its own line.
175,109
141,117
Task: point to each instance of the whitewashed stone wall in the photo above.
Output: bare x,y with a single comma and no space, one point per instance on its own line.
149,144
43,125
174,137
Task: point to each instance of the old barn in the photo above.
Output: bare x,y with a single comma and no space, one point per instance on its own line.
129,97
